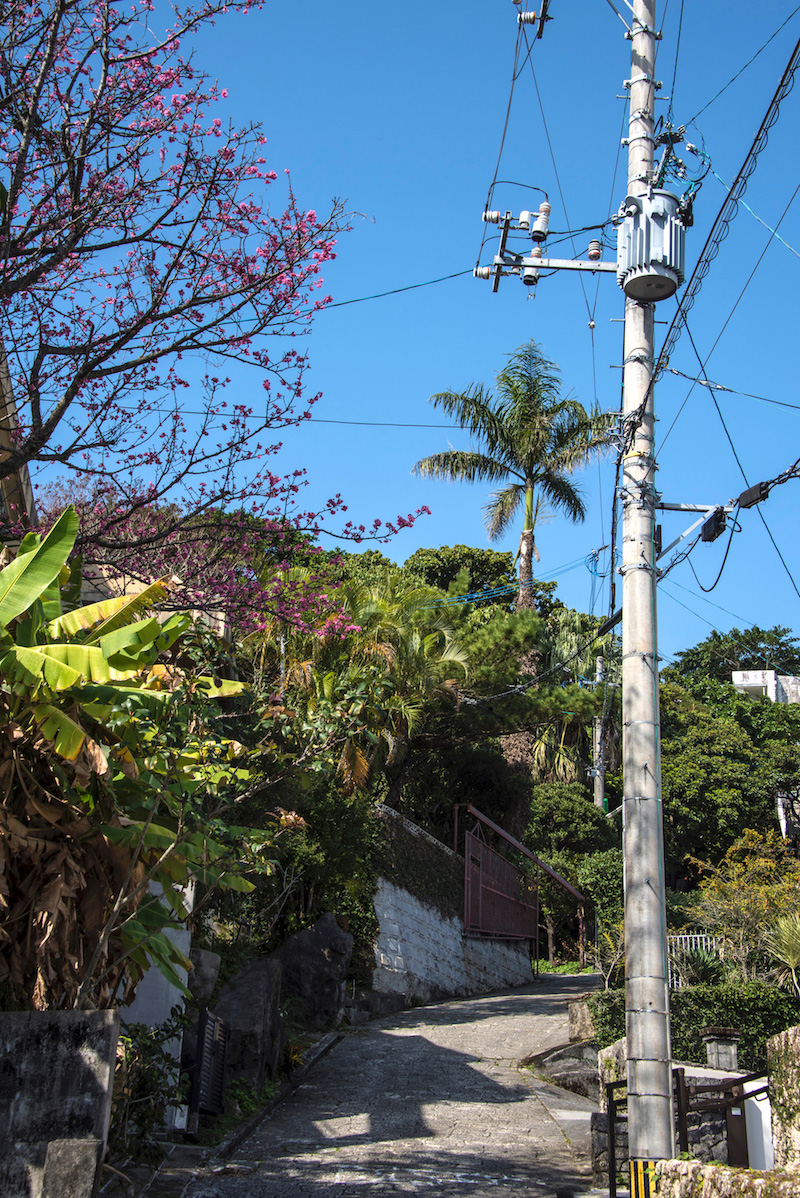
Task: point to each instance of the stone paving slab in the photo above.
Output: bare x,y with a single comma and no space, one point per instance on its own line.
429,1101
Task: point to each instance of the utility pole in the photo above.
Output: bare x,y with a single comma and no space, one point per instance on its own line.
650,1118
651,228
598,757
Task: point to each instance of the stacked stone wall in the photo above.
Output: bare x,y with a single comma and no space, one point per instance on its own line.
783,1056
692,1179
423,953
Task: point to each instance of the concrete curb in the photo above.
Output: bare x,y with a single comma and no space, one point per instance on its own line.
310,1058
171,1179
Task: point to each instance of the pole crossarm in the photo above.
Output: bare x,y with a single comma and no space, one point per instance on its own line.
518,261
516,844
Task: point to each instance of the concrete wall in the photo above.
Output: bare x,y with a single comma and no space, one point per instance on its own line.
422,952
56,1075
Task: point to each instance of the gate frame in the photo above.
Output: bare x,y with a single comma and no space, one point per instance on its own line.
515,844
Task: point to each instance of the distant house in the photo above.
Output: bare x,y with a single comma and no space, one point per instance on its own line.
778,688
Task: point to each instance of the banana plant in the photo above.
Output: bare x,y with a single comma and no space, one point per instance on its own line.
114,777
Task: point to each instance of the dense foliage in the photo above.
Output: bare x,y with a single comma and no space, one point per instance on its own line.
755,1008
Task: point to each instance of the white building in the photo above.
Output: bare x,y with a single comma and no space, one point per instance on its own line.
779,688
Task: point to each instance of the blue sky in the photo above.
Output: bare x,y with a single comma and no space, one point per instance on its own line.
399,109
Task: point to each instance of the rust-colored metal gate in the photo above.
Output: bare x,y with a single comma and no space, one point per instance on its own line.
499,900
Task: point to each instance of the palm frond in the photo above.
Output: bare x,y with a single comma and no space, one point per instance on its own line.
475,409
562,493
459,465
502,508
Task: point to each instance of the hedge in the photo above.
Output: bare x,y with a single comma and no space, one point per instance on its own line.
758,1010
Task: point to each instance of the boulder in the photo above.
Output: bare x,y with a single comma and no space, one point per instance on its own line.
581,1021
315,963
571,1066
250,1006
56,1077
203,978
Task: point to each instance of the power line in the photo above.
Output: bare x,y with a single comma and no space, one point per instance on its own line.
720,227
553,160
362,299
736,455
749,62
514,75
728,319
713,386
708,590
697,615
744,204
744,620
508,588
675,71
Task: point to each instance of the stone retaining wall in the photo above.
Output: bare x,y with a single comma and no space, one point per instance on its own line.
691,1179
423,953
783,1055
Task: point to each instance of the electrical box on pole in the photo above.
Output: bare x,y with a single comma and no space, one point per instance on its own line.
651,247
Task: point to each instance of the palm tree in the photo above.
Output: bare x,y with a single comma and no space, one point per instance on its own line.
528,436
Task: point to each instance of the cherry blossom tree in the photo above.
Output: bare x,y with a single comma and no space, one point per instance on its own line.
139,258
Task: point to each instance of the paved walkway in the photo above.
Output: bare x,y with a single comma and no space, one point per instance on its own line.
431,1102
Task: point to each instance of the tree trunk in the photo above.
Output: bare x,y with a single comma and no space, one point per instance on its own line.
525,599
550,924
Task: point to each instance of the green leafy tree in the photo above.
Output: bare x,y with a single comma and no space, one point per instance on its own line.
741,899
530,438
716,781
488,568
564,820
740,649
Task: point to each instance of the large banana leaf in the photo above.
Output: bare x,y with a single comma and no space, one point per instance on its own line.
23,581
130,641
68,737
108,614
99,701
28,669
91,662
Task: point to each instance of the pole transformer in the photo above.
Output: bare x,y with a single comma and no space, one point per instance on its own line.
650,1119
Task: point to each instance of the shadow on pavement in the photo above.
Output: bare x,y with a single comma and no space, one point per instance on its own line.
442,1174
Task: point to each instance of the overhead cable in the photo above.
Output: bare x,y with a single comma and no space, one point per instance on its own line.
721,225
749,62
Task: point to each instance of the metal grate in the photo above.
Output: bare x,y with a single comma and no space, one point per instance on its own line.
499,900
208,1083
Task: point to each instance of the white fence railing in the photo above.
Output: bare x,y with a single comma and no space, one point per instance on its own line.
687,942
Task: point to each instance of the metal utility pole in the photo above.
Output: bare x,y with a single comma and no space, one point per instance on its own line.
650,1118
598,757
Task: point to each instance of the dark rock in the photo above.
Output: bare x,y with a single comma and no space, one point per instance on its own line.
571,1066
386,1002
203,978
315,964
250,1005
581,1020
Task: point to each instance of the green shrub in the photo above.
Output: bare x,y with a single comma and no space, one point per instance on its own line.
147,1082
758,1010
